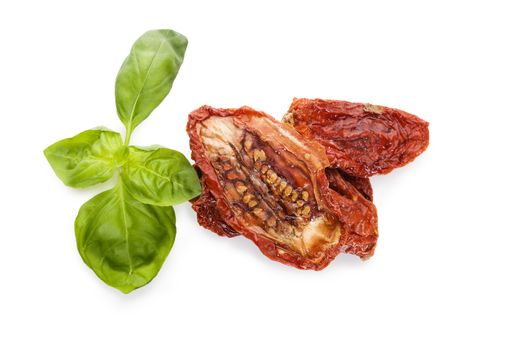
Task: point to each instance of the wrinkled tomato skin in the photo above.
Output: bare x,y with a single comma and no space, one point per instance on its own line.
362,139
362,184
357,213
208,215
351,210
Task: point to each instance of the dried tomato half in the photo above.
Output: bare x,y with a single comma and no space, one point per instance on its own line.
264,180
362,139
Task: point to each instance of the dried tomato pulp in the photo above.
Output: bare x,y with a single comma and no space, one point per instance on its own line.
362,139
209,217
263,180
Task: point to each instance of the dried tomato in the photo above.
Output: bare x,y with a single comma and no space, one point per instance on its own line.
362,139
264,180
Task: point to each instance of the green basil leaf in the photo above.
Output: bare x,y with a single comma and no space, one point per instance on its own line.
160,176
147,74
87,158
124,241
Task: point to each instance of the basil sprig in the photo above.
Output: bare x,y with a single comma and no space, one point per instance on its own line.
125,234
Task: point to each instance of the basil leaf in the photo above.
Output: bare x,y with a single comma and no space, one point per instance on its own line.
160,176
147,74
87,158
123,241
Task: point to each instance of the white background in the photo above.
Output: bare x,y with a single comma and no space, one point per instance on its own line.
449,266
